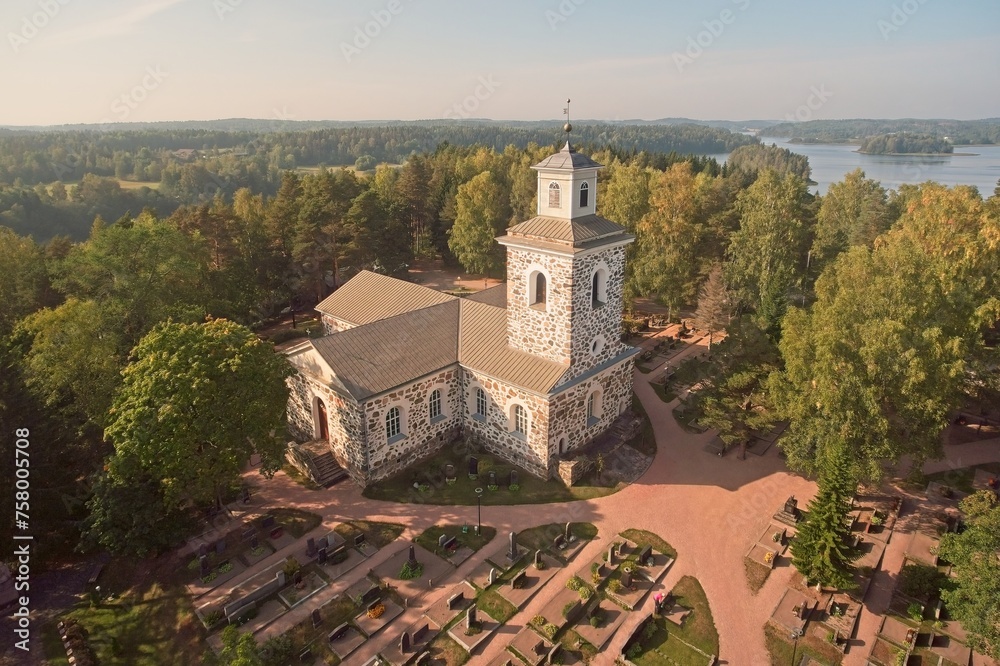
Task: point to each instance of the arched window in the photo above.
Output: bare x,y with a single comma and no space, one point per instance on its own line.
435,404
538,289
481,402
584,195
393,423
322,421
555,195
520,420
594,408
599,288
562,445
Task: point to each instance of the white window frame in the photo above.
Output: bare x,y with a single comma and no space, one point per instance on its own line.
399,431
555,195
584,194
435,405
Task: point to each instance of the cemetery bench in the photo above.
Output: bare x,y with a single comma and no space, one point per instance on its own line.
95,574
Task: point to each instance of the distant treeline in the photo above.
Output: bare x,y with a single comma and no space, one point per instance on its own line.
146,155
958,132
888,144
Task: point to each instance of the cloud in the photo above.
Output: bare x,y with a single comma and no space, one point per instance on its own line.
113,26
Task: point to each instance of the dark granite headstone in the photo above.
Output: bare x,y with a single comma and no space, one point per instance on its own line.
324,542
317,618
791,505
493,478
339,632
267,521
471,617
321,555
512,549
297,578
310,546
203,550
404,642
246,495
518,580
538,559
220,546
248,532
513,478
359,540
206,568
454,600
645,555
372,595
254,542
411,558
305,656
473,465
449,471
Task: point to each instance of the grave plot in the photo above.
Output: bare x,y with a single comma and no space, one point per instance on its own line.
473,629
659,640
314,631
563,541
562,610
454,543
368,537
379,611
599,622
345,639
534,649
524,584
411,642
451,605
303,583
508,555
413,571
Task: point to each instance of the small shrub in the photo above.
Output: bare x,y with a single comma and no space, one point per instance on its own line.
915,611
473,629
291,566
514,487
568,608
595,621
210,577
634,651
493,487
409,571
451,481
585,593
614,585
649,631
225,567
574,583
213,618
538,621
550,630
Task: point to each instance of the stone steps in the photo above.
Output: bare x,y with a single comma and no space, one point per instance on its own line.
327,469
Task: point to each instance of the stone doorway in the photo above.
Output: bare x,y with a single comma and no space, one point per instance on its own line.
323,431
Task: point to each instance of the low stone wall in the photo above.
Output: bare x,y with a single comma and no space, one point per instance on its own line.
234,608
301,460
571,471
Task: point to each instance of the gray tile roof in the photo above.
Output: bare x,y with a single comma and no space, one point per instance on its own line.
568,159
376,357
369,297
579,232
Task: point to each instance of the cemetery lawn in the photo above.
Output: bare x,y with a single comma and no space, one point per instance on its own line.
961,479
296,521
671,644
298,477
341,609
445,650
757,574
643,538
435,490
429,538
780,648
146,623
498,608
377,534
541,537
666,394
575,644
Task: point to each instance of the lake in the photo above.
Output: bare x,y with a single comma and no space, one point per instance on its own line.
831,162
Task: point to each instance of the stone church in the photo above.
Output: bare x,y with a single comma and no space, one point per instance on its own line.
532,369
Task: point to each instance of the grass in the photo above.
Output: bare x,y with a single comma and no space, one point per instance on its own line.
577,646
961,479
341,609
437,491
757,574
541,537
670,644
377,534
498,608
429,538
665,394
146,623
780,647
298,477
446,651
296,521
643,538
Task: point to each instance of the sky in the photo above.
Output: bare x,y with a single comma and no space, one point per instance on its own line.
96,61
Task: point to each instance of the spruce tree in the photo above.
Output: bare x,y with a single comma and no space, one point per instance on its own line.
821,551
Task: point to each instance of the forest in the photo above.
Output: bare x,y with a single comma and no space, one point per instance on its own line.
905,143
865,317
959,132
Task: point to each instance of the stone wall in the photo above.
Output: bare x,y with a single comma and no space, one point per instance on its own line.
494,432
545,333
571,471
422,437
333,325
587,322
568,410
343,422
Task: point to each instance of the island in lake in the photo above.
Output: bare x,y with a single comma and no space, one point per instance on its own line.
906,143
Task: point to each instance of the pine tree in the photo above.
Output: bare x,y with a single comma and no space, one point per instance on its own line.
713,311
821,551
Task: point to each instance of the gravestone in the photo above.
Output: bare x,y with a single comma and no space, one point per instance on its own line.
791,505
297,578
473,465
620,552
248,532
611,555
412,557
267,521
513,478
471,617
566,533
518,581
254,542
442,540
449,471
626,578
281,578
454,600
512,551
373,594
317,618
220,546
321,555
645,556
339,632
493,478
246,495
310,547
359,540
404,642
538,559
305,656
451,543
203,550
324,542
419,634
559,542
493,576
206,568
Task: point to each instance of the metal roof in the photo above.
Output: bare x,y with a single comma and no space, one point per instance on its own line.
495,296
369,297
580,231
568,159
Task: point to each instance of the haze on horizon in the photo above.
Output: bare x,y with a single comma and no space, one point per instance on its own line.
65,61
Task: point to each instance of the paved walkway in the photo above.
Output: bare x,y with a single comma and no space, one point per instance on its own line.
709,508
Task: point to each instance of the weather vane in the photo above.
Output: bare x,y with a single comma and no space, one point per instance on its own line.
567,127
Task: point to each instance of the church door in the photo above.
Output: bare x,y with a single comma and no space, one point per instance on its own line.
324,428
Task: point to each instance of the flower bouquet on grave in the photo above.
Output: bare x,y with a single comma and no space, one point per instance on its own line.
376,612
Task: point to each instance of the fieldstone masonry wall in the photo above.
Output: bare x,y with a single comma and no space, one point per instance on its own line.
545,333
343,422
588,322
568,410
422,436
333,325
